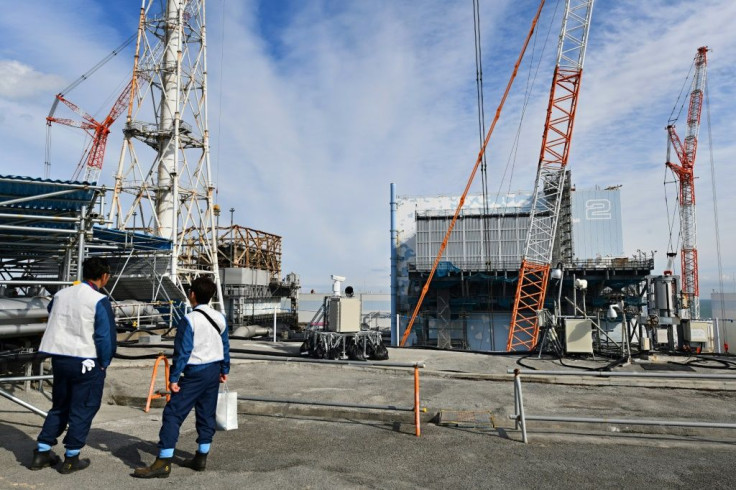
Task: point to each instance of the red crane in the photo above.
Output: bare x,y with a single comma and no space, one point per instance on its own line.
683,170
98,131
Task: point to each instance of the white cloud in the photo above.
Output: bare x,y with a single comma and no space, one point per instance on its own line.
18,80
316,110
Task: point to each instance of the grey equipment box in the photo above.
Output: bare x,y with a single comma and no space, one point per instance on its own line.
578,336
344,315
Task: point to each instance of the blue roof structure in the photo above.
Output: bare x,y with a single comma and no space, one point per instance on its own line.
30,193
129,239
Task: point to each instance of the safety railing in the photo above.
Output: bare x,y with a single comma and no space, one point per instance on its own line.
166,392
415,366
18,379
521,417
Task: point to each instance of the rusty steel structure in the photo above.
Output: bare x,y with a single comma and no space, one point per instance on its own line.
239,246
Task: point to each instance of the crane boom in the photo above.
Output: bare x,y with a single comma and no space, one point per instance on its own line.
684,170
98,131
535,263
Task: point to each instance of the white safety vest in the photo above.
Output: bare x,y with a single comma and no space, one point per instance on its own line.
207,342
71,324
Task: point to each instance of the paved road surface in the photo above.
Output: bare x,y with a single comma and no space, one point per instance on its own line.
286,446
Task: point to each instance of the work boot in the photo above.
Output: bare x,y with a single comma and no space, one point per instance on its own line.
197,463
43,459
159,469
72,464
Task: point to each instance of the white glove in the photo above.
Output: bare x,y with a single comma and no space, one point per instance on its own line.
87,365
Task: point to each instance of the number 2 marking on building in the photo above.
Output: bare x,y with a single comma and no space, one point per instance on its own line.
597,209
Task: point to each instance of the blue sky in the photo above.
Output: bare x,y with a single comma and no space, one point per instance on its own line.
317,106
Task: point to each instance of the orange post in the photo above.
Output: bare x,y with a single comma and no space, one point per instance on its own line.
417,421
158,394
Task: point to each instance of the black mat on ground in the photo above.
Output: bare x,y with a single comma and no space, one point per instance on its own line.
666,367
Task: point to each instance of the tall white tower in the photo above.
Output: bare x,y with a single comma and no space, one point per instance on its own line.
163,184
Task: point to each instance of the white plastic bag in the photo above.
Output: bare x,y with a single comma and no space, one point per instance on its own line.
226,415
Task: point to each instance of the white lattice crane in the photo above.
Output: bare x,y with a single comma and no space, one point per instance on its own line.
535,263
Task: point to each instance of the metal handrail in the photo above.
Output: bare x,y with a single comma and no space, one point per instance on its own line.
415,365
520,417
24,404
625,374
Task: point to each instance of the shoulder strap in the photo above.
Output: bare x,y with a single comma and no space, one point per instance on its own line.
209,318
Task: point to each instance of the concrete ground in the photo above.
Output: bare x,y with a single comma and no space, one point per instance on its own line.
282,444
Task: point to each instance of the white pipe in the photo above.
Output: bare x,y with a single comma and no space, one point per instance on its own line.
248,331
20,330
16,316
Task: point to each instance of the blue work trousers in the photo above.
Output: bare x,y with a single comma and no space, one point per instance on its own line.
198,390
75,401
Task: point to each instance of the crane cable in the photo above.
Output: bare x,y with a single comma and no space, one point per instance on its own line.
472,176
485,220
481,122
513,153
70,87
715,201
671,220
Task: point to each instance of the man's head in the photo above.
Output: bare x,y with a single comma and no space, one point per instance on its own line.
94,268
202,288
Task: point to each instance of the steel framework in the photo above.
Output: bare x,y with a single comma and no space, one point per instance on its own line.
245,247
684,171
563,100
163,183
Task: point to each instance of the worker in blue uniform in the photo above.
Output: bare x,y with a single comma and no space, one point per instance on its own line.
80,337
201,362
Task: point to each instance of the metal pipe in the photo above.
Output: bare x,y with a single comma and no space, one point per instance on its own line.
38,217
80,242
417,419
15,243
394,270
606,374
29,372
328,361
594,420
35,282
521,414
20,330
18,315
516,406
81,187
249,331
36,197
325,404
37,229
16,379
22,403
266,357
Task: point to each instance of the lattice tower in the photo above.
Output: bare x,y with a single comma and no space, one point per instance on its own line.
163,183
